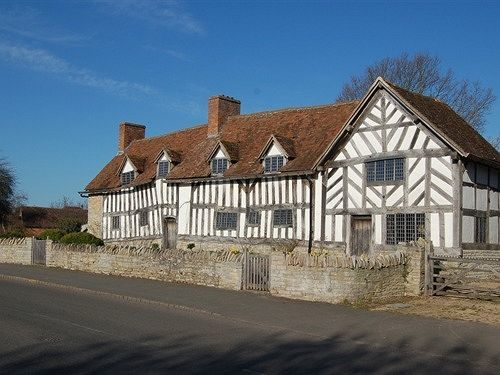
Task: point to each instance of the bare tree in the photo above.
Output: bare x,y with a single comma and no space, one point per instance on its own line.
7,192
422,73
495,142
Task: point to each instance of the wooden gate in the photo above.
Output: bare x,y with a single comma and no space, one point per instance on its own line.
38,252
463,277
256,272
361,234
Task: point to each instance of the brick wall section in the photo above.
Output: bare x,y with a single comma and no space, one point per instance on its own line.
334,280
95,209
218,269
16,250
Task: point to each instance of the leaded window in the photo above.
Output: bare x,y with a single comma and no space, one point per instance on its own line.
219,166
385,170
115,222
283,218
253,217
127,177
226,220
404,227
273,163
143,218
480,232
163,168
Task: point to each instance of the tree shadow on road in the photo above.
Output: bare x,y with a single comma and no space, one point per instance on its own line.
275,354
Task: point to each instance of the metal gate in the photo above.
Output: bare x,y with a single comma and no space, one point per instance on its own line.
38,254
256,272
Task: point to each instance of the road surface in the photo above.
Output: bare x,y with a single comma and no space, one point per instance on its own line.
62,321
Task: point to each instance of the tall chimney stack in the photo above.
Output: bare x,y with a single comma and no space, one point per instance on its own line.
129,132
220,107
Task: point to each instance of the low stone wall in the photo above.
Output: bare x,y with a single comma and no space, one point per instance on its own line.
218,269
334,279
16,250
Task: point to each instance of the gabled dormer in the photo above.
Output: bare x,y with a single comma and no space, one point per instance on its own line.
222,156
165,161
276,153
129,169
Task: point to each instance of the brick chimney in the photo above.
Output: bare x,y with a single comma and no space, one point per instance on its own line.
219,109
129,132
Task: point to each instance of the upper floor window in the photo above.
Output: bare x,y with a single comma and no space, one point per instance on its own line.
385,170
404,227
226,220
127,177
219,166
283,218
273,163
163,168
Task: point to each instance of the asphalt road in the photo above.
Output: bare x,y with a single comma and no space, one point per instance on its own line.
59,321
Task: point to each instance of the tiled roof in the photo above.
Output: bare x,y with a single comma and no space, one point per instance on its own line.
304,131
451,125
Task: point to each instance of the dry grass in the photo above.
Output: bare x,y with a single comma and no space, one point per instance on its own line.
447,308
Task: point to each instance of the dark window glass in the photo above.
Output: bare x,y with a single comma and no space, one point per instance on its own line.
127,177
115,222
404,228
385,170
480,236
253,217
219,165
143,218
273,163
163,168
226,220
283,217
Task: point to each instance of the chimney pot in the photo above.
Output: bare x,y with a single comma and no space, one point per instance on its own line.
220,107
128,133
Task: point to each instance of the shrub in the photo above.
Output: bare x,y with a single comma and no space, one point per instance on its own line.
69,225
155,247
16,233
81,238
190,246
52,234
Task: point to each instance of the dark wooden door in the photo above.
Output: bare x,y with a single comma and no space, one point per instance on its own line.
361,234
170,233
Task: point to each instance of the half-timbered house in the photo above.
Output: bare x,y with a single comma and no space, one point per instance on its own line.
360,176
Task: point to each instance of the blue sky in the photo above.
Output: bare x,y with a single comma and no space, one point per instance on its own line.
71,71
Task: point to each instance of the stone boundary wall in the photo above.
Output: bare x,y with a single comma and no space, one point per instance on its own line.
336,278
16,250
219,269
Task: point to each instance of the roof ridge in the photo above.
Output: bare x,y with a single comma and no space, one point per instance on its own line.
289,109
170,133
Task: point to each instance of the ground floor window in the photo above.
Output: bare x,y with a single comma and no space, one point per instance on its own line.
226,220
253,217
480,232
283,218
404,227
144,218
115,222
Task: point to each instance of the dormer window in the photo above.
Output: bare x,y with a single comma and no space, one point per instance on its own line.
127,177
163,168
273,163
219,166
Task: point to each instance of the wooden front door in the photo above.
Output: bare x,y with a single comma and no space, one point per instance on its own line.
169,233
361,234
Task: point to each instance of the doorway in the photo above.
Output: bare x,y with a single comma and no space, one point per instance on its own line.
361,234
169,233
